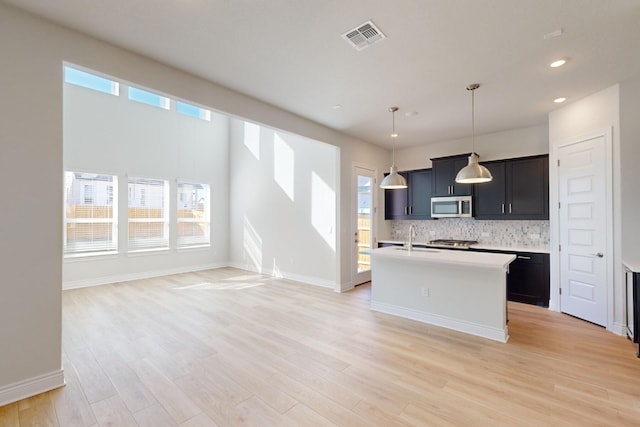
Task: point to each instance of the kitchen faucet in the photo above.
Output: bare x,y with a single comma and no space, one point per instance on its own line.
412,231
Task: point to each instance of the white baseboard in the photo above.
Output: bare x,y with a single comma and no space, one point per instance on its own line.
137,276
309,280
345,287
156,273
501,335
619,329
36,385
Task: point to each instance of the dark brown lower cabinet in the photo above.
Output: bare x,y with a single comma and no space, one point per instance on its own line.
528,279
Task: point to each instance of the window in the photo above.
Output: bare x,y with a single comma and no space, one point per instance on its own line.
193,215
193,111
90,218
88,194
148,214
148,98
91,81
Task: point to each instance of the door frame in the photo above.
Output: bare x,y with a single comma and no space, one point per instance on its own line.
354,215
554,179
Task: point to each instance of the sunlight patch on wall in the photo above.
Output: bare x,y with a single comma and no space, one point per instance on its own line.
252,139
276,270
283,165
323,209
252,243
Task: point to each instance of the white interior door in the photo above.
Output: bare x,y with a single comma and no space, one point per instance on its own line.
583,178
362,228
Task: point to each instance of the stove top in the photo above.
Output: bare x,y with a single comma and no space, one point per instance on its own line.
452,243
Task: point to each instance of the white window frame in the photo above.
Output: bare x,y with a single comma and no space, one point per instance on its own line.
78,250
184,241
162,243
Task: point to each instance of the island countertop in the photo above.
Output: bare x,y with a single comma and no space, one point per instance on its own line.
541,249
445,256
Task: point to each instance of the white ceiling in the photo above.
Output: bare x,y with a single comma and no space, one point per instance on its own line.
290,53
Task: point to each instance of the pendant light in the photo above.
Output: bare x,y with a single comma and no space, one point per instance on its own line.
394,180
474,172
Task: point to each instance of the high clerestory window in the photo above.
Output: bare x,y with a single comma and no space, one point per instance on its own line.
90,225
193,111
149,98
91,81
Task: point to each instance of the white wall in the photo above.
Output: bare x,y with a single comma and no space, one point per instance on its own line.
283,196
112,134
31,170
591,114
629,170
500,145
31,137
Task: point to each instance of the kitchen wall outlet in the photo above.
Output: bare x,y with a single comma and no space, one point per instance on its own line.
424,291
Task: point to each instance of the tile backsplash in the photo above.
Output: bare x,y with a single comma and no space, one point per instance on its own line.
503,233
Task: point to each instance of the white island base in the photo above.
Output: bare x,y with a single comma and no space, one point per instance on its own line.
460,290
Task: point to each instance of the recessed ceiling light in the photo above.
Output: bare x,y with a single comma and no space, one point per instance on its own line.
560,100
411,113
337,107
558,63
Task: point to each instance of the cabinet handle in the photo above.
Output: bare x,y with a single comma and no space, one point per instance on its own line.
452,190
509,207
410,210
523,257
405,210
503,208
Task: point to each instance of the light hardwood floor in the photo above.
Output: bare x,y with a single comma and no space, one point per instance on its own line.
231,348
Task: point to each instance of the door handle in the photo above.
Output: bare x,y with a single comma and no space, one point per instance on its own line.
599,255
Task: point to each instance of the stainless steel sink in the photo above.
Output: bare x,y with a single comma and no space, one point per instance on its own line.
435,251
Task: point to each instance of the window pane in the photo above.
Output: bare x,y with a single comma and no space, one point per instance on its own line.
148,98
193,214
90,221
193,111
148,214
90,81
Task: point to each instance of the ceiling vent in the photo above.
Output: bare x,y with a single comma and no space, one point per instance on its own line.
364,35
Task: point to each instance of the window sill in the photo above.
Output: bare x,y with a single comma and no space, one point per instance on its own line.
194,248
145,252
79,257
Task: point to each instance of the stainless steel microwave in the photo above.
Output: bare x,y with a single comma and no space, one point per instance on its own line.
451,207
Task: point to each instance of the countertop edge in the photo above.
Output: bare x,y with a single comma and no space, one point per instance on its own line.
632,264
530,249
419,256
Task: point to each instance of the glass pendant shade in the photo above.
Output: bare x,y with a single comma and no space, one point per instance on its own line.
394,180
474,172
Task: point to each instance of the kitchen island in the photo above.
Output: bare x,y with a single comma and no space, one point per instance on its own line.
460,290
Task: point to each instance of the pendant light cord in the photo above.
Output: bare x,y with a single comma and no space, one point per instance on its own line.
473,120
393,138
393,134
472,87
